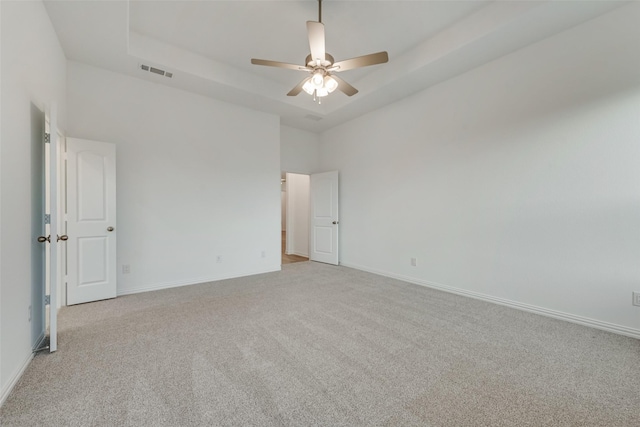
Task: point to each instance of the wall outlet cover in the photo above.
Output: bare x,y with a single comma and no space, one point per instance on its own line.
636,299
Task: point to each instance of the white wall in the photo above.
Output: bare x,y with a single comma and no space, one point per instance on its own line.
299,150
298,214
196,179
33,71
517,181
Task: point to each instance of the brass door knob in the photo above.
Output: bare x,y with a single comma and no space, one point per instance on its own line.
110,229
43,239
64,238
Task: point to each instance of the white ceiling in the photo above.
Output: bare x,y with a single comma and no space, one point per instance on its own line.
208,44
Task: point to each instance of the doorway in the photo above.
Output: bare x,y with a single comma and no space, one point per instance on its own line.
295,217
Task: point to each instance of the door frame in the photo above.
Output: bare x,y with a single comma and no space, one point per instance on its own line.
290,249
310,202
62,219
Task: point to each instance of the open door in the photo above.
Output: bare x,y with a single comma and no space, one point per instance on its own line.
91,221
323,238
39,232
44,208
55,239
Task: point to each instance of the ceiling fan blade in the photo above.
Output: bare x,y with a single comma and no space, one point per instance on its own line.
296,90
278,64
361,61
344,86
316,40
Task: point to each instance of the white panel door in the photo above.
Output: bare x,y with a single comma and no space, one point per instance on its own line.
323,236
53,228
91,221
39,244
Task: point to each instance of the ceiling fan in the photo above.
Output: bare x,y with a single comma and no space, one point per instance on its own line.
321,66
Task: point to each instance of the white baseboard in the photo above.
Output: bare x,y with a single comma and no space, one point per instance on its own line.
193,281
13,379
585,321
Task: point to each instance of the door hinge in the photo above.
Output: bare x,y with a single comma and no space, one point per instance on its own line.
47,300
47,138
47,219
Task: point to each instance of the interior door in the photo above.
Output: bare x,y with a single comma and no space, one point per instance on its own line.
323,238
39,240
53,229
91,221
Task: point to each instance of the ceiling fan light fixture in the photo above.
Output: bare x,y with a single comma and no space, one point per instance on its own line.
327,85
321,65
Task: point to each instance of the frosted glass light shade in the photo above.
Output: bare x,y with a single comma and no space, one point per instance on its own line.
330,84
317,80
308,87
322,92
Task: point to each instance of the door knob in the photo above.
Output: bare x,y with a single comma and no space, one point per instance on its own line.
64,238
110,229
335,222
43,239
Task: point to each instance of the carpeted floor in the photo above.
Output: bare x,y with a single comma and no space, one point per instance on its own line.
317,345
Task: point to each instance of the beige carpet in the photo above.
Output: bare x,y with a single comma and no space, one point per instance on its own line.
317,345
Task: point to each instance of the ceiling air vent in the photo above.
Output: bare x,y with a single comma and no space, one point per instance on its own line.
312,117
155,70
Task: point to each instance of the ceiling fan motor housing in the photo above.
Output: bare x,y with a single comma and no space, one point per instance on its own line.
329,61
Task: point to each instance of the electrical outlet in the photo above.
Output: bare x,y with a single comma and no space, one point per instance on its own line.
29,313
414,262
219,259
636,299
126,269
264,254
